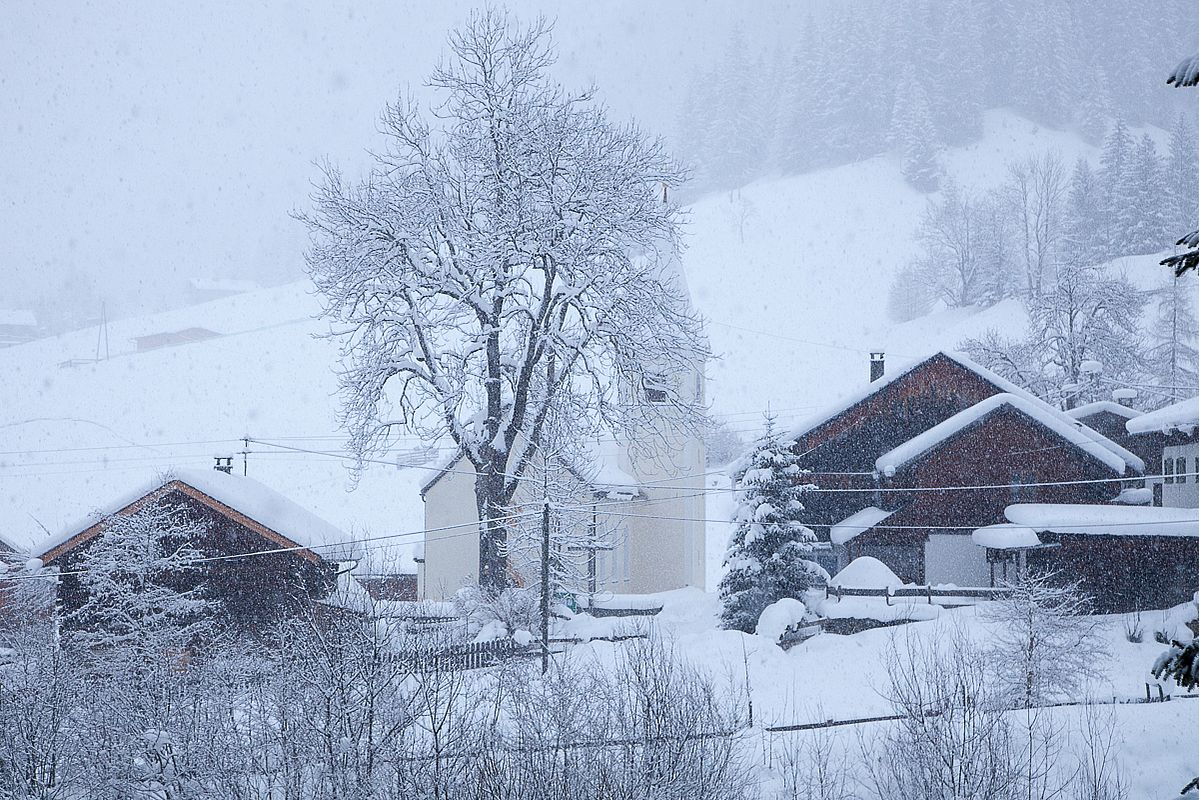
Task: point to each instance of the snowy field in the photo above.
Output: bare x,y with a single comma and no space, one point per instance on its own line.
833,677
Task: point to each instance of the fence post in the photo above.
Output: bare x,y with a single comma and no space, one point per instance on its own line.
929,589
888,595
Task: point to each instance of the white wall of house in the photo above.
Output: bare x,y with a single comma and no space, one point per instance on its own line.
658,537
451,554
1180,487
658,540
955,558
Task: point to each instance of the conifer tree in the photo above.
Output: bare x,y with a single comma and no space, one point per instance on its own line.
1145,212
1086,224
767,557
912,131
1182,176
1116,203
1174,356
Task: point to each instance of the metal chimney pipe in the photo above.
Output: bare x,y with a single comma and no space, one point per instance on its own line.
878,364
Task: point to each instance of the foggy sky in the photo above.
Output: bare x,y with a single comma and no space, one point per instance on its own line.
144,143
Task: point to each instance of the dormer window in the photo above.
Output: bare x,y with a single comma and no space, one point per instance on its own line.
656,388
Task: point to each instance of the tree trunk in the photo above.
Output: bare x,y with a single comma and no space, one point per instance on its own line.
493,534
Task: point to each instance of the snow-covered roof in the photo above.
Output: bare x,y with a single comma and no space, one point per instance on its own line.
1091,442
1090,409
439,468
1103,520
1006,536
244,495
18,317
849,401
857,523
1181,416
1134,496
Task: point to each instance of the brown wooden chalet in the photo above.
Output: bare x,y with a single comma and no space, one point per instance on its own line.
238,516
910,466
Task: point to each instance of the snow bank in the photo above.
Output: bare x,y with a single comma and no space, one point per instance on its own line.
876,608
780,615
1105,520
1005,537
1100,448
856,524
866,572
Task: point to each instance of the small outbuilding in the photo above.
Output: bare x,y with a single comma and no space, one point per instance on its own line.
266,558
1126,557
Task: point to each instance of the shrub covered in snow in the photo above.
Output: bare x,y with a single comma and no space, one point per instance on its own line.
779,616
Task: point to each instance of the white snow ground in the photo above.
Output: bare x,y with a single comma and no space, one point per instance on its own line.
843,677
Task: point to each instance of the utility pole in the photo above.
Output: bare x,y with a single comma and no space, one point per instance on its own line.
245,456
545,573
591,548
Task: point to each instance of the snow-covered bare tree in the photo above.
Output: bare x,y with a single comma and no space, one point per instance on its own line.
1088,316
768,553
508,258
1173,355
1045,647
1035,197
964,253
144,592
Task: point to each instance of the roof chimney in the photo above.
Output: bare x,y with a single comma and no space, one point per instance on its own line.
878,364
1125,397
224,464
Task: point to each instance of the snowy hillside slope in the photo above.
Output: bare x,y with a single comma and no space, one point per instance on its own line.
75,437
793,274
794,310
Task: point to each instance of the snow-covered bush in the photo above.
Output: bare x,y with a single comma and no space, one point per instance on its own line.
953,740
780,615
513,609
767,557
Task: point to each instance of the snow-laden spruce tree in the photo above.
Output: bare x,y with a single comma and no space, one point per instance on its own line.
768,553
142,581
1185,74
508,257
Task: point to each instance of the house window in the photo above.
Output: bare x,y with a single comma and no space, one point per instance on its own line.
656,388
1168,469
1180,470
1021,491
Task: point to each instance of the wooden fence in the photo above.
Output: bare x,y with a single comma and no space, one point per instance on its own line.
473,655
923,592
